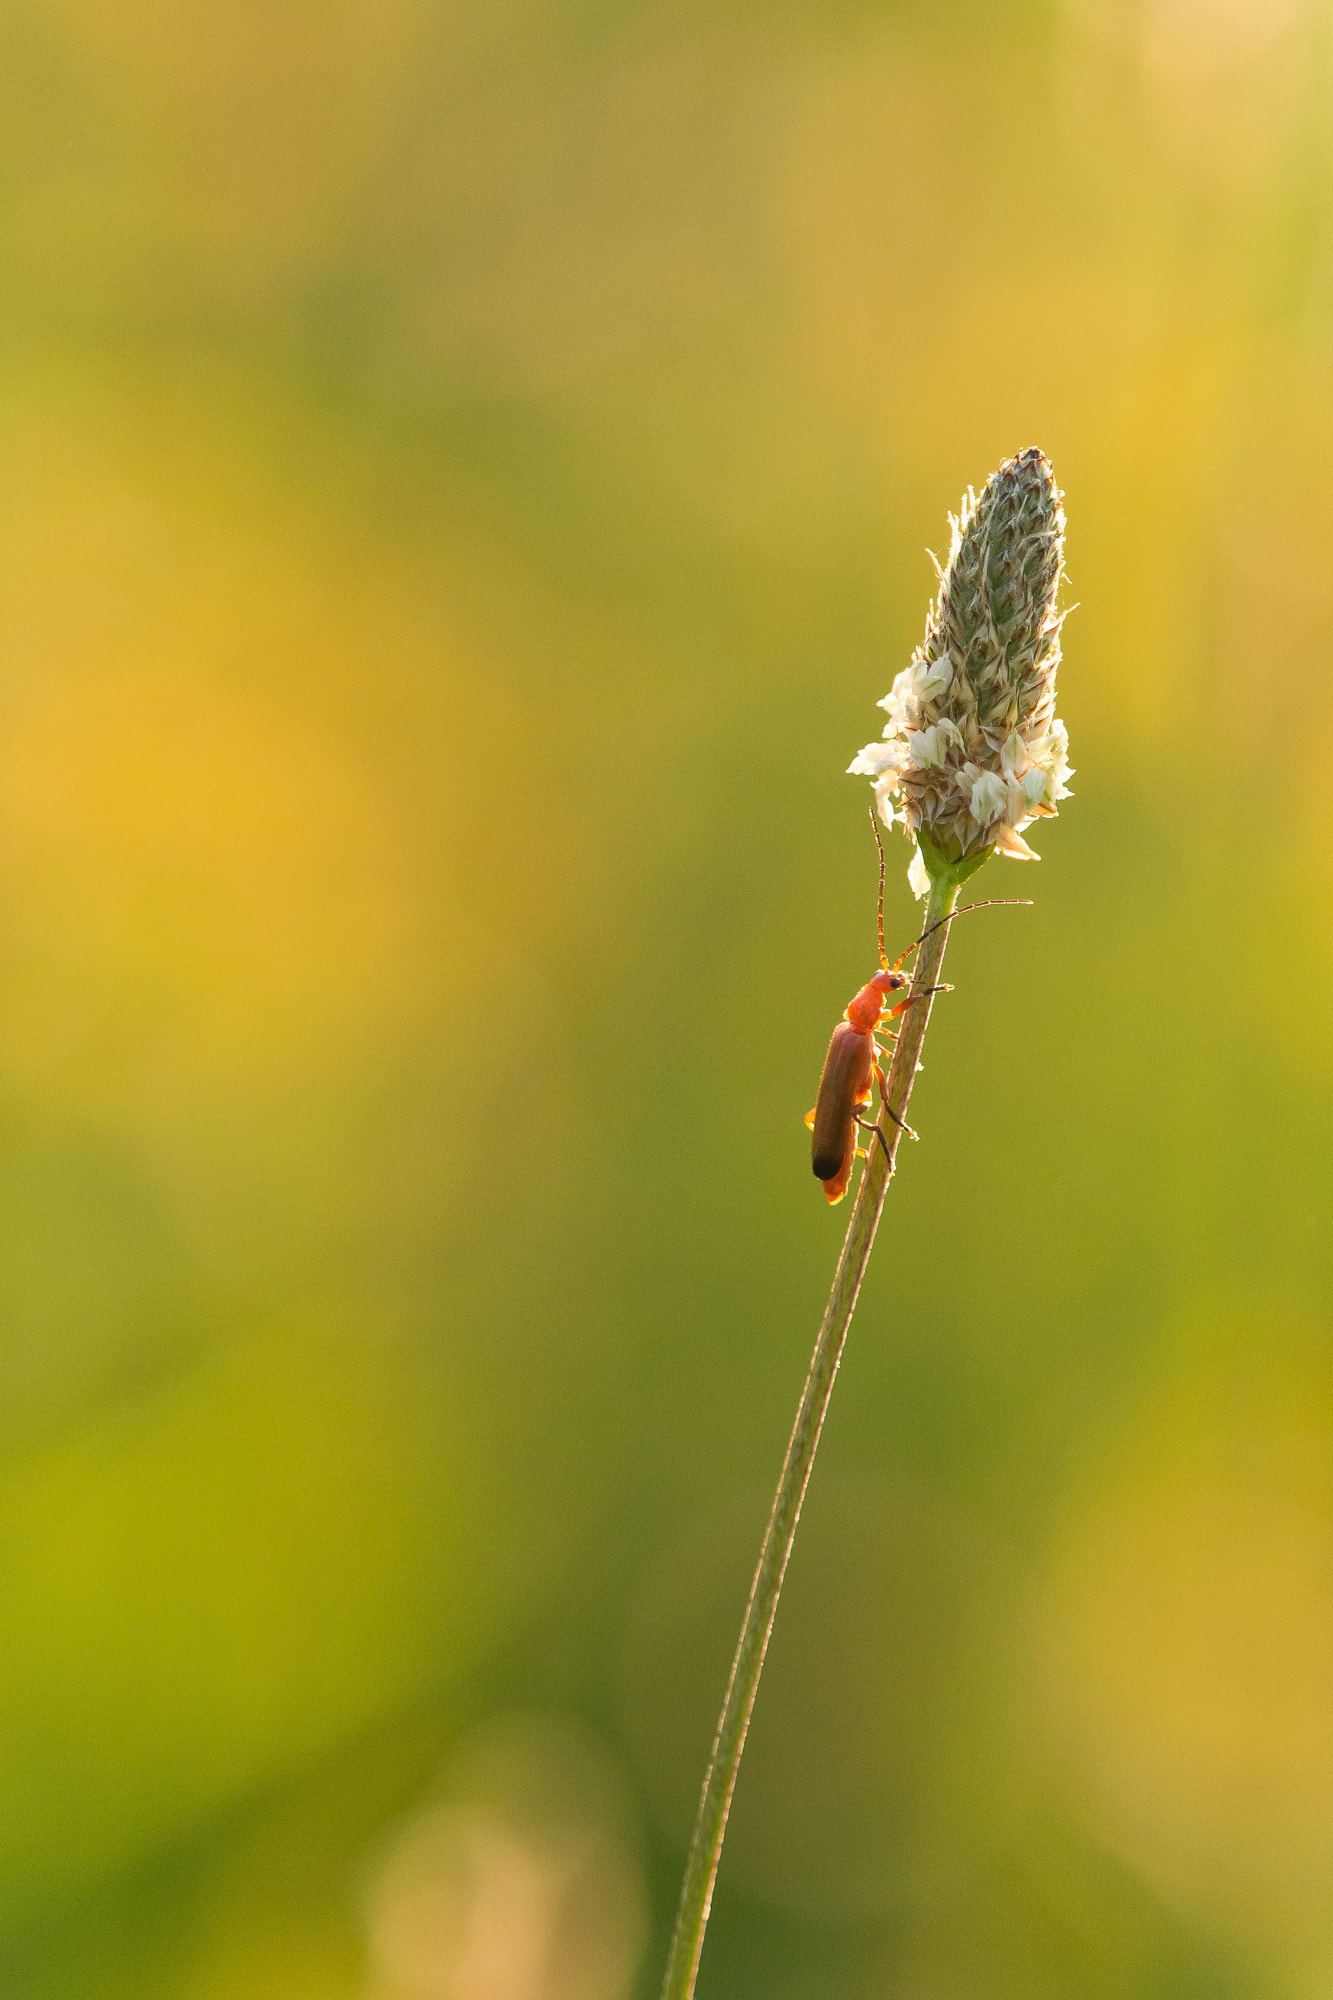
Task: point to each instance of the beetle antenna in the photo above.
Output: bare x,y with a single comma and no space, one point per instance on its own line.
993,903
874,828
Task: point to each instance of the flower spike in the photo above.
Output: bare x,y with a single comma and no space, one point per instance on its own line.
972,751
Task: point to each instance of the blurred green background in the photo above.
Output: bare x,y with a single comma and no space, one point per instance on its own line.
467,471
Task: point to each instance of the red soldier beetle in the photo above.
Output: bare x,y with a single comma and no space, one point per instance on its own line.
853,1058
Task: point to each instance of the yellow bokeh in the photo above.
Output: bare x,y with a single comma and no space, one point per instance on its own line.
1190,1632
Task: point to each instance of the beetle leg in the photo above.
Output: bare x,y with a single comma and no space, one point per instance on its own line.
901,1123
903,1005
867,1125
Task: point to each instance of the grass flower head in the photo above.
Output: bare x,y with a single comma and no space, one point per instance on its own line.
972,750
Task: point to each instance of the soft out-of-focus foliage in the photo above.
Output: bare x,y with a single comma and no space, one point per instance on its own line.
466,473
520,1880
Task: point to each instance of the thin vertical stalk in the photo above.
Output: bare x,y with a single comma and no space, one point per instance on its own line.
711,1824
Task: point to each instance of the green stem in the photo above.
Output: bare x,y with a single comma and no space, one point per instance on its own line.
711,1824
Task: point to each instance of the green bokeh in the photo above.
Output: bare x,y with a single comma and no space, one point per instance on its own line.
468,467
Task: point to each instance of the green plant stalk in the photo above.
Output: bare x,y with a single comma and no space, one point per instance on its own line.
711,1824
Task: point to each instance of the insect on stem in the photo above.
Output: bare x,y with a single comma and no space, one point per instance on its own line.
853,1061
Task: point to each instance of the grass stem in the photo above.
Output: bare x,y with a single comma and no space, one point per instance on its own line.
711,1823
